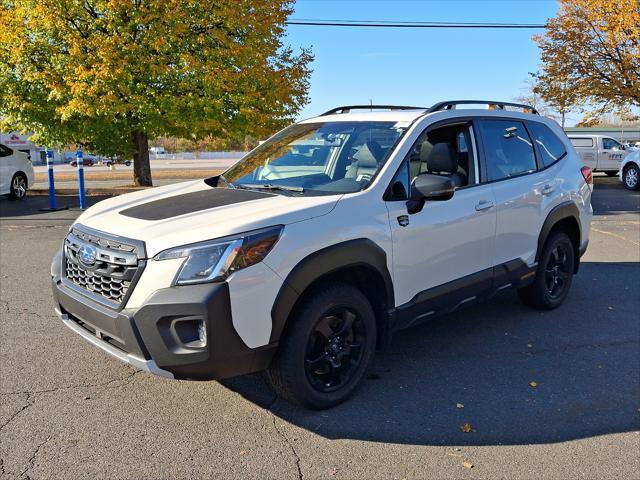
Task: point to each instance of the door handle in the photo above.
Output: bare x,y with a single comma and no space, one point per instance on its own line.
484,205
547,190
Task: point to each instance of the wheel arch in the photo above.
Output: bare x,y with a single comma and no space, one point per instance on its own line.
564,217
360,262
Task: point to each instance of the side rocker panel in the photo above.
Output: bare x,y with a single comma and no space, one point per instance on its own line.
358,252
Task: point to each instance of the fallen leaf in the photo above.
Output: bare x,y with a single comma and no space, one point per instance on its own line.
533,384
529,345
459,405
467,465
243,452
610,307
466,428
333,471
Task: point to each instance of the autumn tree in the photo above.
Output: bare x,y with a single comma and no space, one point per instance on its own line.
110,74
591,55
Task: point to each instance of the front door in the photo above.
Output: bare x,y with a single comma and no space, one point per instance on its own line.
448,245
611,154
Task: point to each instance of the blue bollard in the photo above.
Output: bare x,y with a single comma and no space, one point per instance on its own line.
80,162
52,188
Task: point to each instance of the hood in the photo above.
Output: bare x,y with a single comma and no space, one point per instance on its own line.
190,212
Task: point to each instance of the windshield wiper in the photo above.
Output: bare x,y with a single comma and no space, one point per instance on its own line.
268,186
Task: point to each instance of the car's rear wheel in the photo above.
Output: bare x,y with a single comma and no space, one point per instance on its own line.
327,347
18,189
631,177
554,274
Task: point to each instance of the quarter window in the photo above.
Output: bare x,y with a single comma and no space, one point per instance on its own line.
5,151
549,145
582,142
508,149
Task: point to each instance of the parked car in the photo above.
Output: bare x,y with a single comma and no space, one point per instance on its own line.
115,160
16,173
86,161
601,153
630,171
307,254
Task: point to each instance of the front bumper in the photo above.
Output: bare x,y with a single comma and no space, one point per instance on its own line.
180,332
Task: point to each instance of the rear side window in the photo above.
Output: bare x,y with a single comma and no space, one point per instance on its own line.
5,151
508,149
549,145
582,142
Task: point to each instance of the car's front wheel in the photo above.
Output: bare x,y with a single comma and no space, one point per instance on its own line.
327,347
554,274
631,177
18,189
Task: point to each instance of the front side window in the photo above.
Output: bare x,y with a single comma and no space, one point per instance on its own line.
508,149
549,145
611,144
318,158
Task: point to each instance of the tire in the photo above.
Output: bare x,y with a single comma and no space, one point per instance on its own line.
553,278
326,349
631,177
610,173
18,187
127,163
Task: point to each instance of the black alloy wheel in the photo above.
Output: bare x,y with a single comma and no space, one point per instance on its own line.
334,350
328,344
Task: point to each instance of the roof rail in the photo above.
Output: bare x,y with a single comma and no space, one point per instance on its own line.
348,108
451,104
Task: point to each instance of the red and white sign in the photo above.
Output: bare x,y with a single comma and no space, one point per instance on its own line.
15,140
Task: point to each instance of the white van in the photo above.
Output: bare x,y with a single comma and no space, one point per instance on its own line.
601,153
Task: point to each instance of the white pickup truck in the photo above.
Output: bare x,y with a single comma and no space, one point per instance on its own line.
599,152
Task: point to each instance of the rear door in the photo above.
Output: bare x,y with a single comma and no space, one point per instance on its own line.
6,168
520,189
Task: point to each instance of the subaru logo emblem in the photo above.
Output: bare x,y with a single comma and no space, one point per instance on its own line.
88,254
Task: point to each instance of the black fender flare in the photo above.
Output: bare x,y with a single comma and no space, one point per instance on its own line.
352,253
558,213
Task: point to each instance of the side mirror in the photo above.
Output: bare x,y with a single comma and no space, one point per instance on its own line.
429,187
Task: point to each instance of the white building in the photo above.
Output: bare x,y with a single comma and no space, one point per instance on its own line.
23,143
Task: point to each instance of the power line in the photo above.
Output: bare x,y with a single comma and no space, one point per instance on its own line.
400,24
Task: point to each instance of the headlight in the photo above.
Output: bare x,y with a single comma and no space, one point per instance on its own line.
215,260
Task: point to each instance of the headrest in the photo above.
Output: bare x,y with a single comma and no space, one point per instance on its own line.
442,159
369,155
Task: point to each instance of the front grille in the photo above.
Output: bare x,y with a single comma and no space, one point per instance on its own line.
110,276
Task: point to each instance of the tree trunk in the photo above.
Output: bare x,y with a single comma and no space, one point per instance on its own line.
563,119
141,166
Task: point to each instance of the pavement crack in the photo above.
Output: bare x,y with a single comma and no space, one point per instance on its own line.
30,401
32,460
289,444
126,381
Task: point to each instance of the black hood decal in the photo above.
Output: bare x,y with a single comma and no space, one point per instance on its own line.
191,202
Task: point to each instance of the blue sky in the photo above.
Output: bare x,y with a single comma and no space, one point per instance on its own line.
417,66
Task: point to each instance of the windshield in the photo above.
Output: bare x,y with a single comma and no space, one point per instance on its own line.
318,158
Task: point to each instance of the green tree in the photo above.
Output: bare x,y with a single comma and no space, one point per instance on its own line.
110,74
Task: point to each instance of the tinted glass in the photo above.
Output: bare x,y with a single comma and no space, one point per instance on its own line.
508,148
5,151
549,145
331,157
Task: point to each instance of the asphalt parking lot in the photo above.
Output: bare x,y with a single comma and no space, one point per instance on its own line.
70,411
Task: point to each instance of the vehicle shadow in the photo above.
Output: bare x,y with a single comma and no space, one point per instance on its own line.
476,367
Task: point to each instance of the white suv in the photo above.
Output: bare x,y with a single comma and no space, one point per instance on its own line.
312,250
16,173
